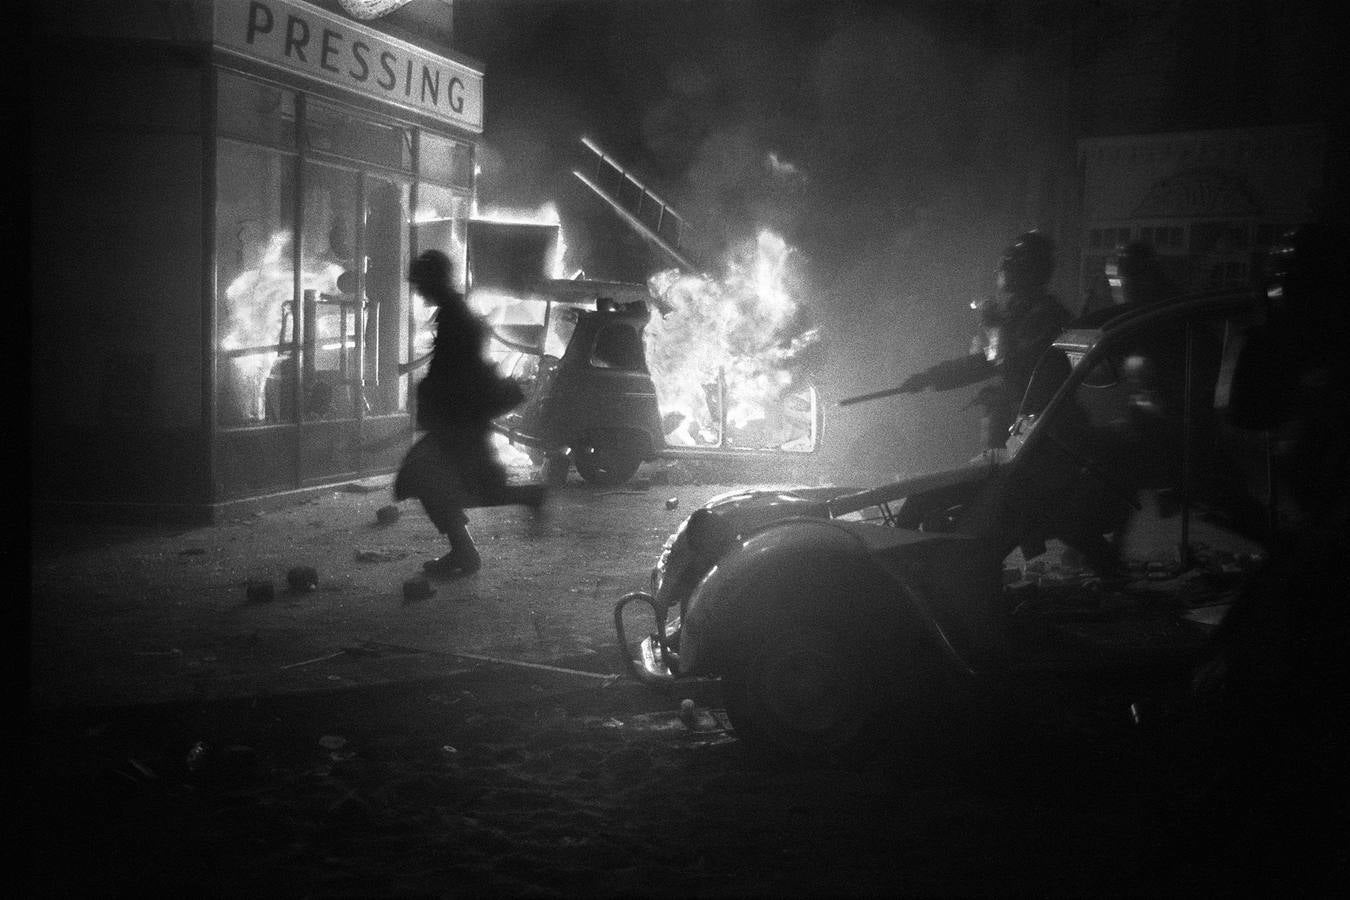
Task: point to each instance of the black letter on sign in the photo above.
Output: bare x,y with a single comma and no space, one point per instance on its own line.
455,91
257,25
359,52
385,59
297,37
434,85
329,49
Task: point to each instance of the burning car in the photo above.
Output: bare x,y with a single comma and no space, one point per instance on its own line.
615,373
820,608
588,392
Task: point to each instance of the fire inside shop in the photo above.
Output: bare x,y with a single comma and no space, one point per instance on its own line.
302,181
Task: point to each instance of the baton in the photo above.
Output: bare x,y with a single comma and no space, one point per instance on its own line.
875,395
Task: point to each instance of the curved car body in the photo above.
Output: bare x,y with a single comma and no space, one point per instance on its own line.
817,607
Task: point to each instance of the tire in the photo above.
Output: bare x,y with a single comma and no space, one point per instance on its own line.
555,471
803,695
609,465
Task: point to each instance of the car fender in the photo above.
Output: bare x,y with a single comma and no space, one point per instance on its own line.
816,570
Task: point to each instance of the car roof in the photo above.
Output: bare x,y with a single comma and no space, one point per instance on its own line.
587,291
1084,333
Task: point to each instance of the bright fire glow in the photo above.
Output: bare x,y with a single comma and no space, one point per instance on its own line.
257,316
729,342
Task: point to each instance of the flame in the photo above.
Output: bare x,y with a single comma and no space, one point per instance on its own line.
257,298
260,315
728,344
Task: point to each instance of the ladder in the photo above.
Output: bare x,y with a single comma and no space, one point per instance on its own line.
642,209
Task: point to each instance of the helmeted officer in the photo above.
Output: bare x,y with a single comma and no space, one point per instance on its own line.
1011,339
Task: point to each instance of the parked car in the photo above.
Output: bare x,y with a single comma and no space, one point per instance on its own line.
821,608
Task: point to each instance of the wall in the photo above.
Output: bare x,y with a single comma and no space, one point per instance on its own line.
116,261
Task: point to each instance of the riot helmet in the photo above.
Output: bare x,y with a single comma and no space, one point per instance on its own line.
1027,264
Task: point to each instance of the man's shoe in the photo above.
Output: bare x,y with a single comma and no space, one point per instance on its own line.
455,564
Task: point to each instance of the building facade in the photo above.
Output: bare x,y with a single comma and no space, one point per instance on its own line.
226,195
1209,202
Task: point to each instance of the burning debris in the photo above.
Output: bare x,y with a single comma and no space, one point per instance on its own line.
726,353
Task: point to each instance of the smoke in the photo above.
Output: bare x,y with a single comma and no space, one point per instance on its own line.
898,149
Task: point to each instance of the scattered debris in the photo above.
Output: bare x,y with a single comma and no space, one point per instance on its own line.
259,592
387,515
688,714
303,579
417,589
145,771
673,503
605,676
197,755
316,659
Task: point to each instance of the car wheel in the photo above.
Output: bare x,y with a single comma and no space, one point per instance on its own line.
606,464
555,470
802,694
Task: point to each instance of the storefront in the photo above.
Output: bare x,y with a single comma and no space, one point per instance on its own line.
1209,202
226,196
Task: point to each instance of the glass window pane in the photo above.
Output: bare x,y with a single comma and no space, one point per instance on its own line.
386,289
332,129
254,286
255,111
441,159
439,223
328,246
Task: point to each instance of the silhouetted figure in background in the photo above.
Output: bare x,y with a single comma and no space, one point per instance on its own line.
1134,277
1277,687
453,465
1011,339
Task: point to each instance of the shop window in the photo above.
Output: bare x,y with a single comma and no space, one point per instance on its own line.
333,315
440,222
332,129
618,346
254,111
441,159
255,290
386,244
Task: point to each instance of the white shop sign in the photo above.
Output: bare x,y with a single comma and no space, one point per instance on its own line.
317,43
